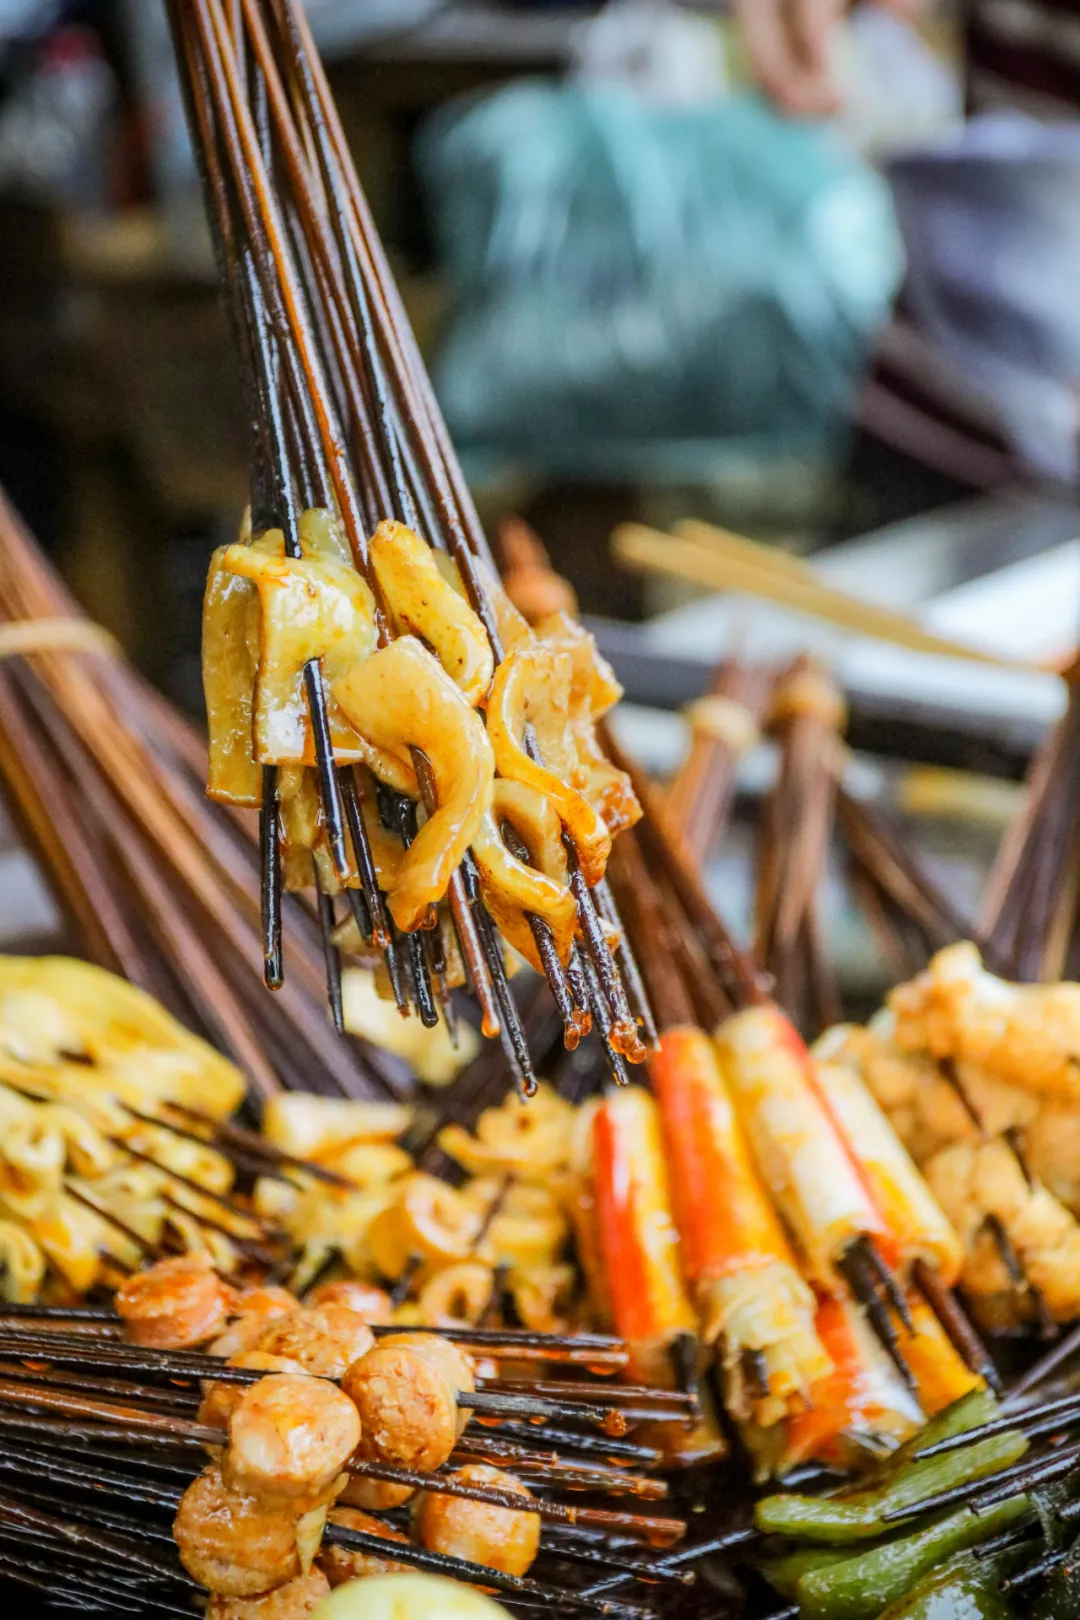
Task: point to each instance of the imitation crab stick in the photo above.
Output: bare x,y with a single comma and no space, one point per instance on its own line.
637,1232
941,1374
860,1398
746,1283
796,1142
914,1219
638,1246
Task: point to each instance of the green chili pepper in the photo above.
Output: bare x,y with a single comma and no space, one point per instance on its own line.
860,1587
966,1589
785,1571
860,1515
969,1412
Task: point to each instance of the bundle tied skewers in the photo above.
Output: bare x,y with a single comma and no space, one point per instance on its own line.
412,745
158,883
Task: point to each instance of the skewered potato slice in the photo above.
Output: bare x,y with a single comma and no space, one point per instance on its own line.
78,1023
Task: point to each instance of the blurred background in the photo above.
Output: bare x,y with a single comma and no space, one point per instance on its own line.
646,292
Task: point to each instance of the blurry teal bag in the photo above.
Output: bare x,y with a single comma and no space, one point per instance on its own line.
623,274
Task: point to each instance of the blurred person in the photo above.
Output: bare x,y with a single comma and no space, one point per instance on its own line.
976,381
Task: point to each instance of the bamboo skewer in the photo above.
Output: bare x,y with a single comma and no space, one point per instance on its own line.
335,297
700,795
116,795
81,1420
721,561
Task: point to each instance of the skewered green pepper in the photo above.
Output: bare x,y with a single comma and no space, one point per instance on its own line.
785,1571
966,1589
861,1515
860,1587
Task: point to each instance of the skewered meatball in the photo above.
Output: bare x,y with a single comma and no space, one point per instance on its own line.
500,1537
289,1437
293,1601
373,1304
374,1495
231,1543
406,1392
176,1304
220,1399
342,1564
324,1341
255,1308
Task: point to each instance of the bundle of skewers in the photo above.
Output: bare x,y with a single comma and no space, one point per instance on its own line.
357,629
339,1445
158,884
975,1515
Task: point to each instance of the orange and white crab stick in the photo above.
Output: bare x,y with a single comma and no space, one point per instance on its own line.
797,1146
916,1224
638,1246
924,1245
746,1282
638,1237
809,1170
859,1403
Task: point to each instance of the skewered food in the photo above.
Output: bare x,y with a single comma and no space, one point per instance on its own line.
220,1400
532,1142
296,1600
974,1075
851,1559
265,617
290,1436
514,889
230,1542
424,604
405,1391
401,698
322,1128
342,1564
479,1531
325,1341
637,1236
253,1308
917,1229
797,1147
179,1303
1022,1246
71,1030
532,688
747,1284
373,1304
1023,1034
312,607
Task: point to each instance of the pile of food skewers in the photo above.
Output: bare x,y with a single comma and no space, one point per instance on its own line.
746,1257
